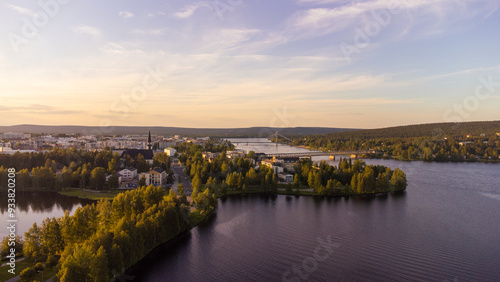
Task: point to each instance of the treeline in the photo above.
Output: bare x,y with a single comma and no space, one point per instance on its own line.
455,130
106,238
61,168
222,175
348,178
429,142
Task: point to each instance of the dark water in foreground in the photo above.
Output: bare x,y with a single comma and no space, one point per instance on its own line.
446,226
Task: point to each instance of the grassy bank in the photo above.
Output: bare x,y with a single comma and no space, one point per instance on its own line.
20,266
94,195
90,195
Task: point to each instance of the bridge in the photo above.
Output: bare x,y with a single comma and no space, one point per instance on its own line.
317,153
250,142
275,135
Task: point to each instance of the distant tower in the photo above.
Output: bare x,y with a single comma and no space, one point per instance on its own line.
149,141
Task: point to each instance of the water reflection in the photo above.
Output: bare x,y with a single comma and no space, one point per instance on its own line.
40,202
34,207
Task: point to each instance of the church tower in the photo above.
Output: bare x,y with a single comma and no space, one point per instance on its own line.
150,146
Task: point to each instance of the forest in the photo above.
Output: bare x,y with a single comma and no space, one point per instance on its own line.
104,239
472,141
62,168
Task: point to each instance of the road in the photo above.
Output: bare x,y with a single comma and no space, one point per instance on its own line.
179,171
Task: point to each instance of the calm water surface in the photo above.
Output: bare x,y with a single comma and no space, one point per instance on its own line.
35,207
446,226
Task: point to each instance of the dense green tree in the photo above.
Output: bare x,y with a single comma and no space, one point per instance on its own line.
142,164
142,181
51,237
97,178
296,181
5,247
32,244
398,180
113,181
28,274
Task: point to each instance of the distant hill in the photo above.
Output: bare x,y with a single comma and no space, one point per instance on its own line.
421,130
168,131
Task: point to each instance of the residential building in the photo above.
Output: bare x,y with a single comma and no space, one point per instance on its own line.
288,162
14,135
235,154
275,166
128,174
210,156
170,152
285,177
156,176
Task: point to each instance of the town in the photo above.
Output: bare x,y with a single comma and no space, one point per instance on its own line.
139,149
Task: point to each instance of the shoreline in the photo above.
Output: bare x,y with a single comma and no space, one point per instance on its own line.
154,251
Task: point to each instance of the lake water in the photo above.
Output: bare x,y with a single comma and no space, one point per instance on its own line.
445,227
35,207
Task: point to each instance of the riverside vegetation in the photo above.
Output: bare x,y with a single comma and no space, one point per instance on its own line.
223,176
472,141
101,240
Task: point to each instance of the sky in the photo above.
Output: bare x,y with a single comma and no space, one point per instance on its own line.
242,63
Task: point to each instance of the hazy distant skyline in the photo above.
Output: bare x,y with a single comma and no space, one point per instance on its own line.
241,63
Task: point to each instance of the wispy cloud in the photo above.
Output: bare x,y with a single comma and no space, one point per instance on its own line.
151,31
158,13
125,14
120,48
348,15
38,108
228,38
188,11
21,10
85,29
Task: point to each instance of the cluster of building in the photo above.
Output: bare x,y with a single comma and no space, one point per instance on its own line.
12,142
282,167
156,176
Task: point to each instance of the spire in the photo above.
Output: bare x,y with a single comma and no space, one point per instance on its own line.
149,141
